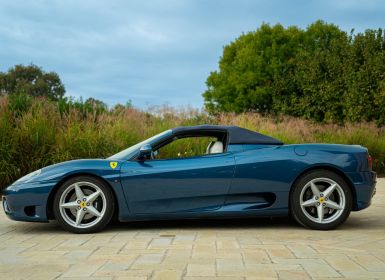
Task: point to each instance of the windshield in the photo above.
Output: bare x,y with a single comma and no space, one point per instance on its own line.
127,153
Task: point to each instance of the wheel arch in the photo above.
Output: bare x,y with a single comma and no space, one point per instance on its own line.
334,169
53,192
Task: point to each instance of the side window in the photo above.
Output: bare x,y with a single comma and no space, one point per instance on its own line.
189,147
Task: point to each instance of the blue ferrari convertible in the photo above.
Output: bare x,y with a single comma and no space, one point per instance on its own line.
199,172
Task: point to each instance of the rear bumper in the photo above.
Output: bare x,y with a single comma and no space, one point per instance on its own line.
365,188
27,202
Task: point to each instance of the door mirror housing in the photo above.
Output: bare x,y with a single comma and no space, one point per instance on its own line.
145,151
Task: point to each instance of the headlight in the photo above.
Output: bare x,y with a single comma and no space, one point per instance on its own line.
28,177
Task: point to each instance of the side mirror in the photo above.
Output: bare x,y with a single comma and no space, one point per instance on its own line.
145,151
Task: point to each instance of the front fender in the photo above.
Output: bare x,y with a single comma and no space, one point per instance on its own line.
40,190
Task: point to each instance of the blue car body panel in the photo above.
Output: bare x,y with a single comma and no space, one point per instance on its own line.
177,185
246,180
39,192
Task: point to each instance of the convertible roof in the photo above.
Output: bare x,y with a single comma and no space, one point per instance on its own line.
237,135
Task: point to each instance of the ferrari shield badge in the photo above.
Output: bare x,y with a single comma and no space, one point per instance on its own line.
113,164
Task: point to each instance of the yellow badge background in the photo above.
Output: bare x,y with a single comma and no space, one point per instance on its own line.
113,164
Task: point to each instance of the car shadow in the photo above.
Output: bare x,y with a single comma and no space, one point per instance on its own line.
191,224
278,223
187,224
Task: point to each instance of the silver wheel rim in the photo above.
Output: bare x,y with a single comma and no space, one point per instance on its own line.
322,200
82,205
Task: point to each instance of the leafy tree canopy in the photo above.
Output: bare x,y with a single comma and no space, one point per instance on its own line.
321,73
31,80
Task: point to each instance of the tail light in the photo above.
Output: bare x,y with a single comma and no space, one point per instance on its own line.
370,162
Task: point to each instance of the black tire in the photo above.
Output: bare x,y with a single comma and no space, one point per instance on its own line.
295,201
104,219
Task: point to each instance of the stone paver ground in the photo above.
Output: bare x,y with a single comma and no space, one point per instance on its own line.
227,249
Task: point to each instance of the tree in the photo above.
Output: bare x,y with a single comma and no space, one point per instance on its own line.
320,73
31,80
366,79
249,67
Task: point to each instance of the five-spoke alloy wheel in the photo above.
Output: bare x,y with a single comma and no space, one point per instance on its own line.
321,200
83,204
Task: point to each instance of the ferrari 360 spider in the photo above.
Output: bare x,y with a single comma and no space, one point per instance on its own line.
214,172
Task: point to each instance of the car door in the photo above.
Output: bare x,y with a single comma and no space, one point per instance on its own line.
198,183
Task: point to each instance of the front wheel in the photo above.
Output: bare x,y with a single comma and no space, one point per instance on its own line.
321,200
83,205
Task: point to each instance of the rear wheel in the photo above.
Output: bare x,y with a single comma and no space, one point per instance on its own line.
321,200
83,205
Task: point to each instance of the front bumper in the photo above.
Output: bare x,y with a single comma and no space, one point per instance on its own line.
27,202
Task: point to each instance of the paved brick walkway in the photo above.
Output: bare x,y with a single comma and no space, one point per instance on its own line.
236,249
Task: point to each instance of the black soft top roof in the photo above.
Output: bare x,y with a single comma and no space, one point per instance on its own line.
236,134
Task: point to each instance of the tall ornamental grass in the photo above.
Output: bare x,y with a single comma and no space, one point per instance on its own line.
35,132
